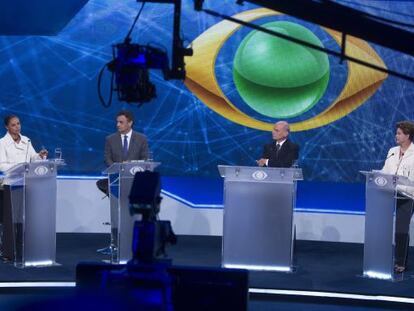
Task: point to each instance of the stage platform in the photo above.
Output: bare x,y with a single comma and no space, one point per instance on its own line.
320,267
327,277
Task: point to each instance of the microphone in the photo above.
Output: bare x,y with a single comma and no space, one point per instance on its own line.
27,151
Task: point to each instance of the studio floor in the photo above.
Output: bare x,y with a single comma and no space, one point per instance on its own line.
319,266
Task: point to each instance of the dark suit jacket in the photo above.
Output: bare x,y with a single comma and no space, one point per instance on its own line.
288,153
138,148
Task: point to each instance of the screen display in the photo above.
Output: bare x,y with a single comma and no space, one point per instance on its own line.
239,82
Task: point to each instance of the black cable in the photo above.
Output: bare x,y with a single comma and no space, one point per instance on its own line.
111,92
102,100
128,36
389,21
127,40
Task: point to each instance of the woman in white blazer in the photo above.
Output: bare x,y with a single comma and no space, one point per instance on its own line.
400,161
16,148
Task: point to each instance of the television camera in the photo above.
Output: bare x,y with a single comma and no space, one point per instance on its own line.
132,61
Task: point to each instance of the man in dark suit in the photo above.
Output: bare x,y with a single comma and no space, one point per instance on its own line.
124,145
281,152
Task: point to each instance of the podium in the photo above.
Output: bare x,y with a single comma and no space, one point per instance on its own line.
380,203
32,232
120,179
258,217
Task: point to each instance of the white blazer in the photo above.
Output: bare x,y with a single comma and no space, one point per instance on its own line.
403,166
12,153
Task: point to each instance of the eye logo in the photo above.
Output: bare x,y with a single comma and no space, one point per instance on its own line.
278,78
41,170
380,181
259,175
136,169
295,89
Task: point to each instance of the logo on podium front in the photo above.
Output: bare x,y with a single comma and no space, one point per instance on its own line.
136,169
380,181
259,175
41,170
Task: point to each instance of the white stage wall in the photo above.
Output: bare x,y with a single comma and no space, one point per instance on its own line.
81,207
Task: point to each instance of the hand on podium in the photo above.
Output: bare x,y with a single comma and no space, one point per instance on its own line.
43,154
262,162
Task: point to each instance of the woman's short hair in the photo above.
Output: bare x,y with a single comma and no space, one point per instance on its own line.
407,127
8,118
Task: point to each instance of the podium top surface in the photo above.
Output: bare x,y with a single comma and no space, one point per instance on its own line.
132,166
42,167
21,173
389,182
397,179
263,174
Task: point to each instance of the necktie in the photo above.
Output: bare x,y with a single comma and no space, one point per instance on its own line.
277,150
125,147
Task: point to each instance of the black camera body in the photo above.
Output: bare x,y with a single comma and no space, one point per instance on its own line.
149,281
150,235
131,63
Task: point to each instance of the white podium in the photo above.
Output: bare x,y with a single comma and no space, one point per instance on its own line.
120,179
380,203
32,236
258,217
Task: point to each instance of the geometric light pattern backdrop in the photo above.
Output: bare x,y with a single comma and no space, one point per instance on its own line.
239,83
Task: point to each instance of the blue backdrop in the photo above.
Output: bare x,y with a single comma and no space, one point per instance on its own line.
51,83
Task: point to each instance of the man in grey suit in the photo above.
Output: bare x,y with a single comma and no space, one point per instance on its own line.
124,145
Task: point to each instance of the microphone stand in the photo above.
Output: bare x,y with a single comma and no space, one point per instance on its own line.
27,151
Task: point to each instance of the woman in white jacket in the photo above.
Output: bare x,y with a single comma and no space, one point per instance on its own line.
400,161
16,148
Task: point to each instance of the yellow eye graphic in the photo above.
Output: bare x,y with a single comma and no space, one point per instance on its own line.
202,81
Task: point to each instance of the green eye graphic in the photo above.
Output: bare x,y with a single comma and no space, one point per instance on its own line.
277,78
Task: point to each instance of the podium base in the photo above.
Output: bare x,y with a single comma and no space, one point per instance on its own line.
286,269
396,277
36,264
106,250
